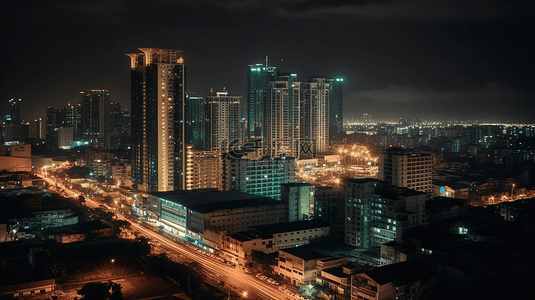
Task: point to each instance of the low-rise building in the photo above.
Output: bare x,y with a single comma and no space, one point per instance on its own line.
404,280
440,208
238,247
192,213
298,265
334,273
294,234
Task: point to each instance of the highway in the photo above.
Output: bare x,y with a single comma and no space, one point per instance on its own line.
216,272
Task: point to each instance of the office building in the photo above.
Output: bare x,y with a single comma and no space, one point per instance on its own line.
203,169
14,118
96,117
259,177
73,118
298,265
329,205
37,129
282,117
405,169
300,199
193,213
223,126
258,78
195,120
405,280
158,94
336,106
378,213
65,137
314,113
238,247
116,125
358,194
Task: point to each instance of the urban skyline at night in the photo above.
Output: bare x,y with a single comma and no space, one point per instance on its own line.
267,150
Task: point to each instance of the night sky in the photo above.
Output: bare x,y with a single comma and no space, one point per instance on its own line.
404,58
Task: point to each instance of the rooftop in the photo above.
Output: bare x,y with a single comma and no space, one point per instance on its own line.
291,226
360,180
209,200
302,253
400,273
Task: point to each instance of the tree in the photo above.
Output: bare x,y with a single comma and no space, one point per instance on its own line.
101,291
264,260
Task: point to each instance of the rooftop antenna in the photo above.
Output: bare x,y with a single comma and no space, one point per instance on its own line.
266,60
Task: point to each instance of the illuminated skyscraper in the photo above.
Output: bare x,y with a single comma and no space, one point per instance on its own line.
73,118
195,120
223,128
336,106
282,115
158,95
315,113
15,112
96,117
258,78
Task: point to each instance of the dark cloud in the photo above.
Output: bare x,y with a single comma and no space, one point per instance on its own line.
489,102
417,56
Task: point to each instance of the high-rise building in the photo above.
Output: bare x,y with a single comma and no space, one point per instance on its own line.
336,106
405,169
195,120
259,177
96,117
158,95
258,78
117,134
203,169
65,137
73,118
314,113
329,204
37,129
223,128
378,213
300,199
55,117
282,117
14,118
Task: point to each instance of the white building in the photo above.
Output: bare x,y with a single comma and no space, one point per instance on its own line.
314,121
65,137
404,169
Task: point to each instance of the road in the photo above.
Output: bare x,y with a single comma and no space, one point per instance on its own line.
215,270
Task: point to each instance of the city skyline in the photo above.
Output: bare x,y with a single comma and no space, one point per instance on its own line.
398,58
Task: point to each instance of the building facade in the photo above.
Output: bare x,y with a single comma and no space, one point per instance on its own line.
203,169
405,280
223,122
158,94
314,106
404,169
96,117
282,117
195,120
336,106
73,118
378,213
259,177
300,199
258,78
